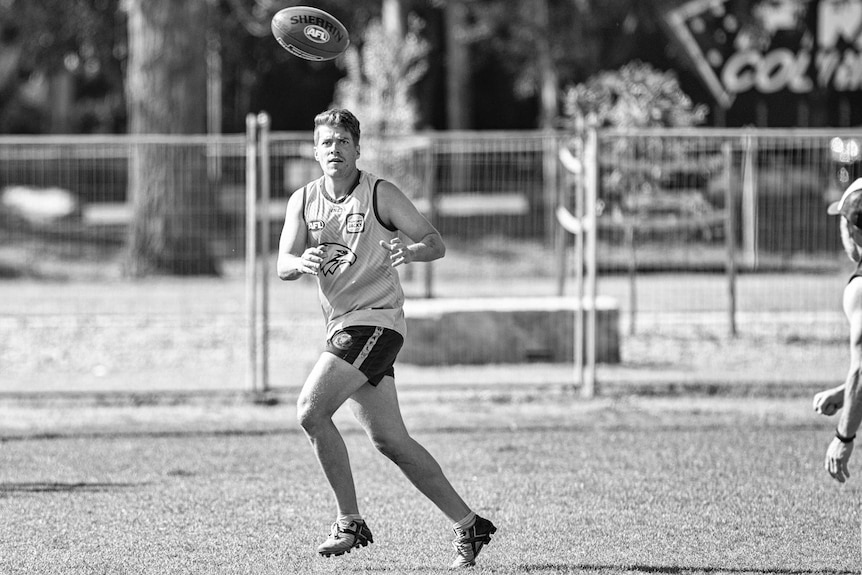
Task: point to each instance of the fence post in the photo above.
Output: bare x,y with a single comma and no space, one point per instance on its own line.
749,199
729,235
569,181
431,197
573,164
578,262
251,248
264,259
591,189
550,185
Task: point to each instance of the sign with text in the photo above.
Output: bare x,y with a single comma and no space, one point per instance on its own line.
772,46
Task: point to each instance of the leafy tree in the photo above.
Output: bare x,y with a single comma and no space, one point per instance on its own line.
378,88
634,171
381,75
636,96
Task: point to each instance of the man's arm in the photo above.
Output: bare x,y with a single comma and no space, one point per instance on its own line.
841,448
396,210
294,258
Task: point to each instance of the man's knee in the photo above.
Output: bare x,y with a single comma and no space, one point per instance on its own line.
308,417
394,447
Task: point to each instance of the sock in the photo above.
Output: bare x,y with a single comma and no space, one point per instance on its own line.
466,523
347,519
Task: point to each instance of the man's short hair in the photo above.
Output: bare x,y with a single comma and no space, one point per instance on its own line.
850,204
338,117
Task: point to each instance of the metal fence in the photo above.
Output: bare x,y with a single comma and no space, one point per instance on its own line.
717,245
726,202
702,236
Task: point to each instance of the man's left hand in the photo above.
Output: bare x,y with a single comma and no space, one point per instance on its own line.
398,252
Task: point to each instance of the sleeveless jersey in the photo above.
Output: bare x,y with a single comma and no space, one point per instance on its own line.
357,283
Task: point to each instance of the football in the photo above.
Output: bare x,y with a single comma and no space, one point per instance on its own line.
310,33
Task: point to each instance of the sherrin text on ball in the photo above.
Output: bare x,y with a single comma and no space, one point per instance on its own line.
310,33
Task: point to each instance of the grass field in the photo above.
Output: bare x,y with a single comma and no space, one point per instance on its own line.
703,457
635,484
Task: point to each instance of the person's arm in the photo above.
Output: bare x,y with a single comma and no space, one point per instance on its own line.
294,257
841,448
397,211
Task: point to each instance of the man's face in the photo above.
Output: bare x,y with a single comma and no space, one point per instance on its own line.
335,151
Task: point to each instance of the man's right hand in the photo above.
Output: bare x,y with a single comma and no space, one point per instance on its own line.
311,260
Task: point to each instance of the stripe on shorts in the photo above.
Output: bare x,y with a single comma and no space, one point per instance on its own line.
369,345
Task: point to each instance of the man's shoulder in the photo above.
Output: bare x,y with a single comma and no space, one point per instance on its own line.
387,187
375,182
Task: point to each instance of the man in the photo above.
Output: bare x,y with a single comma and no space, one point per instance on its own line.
849,394
344,228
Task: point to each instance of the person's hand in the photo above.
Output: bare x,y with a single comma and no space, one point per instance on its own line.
398,252
309,262
830,401
837,457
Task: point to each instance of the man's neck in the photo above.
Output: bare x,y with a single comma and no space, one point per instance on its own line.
340,187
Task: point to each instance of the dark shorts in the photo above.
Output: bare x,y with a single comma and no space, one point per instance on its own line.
370,349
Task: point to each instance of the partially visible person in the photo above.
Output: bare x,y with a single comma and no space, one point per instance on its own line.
848,395
345,228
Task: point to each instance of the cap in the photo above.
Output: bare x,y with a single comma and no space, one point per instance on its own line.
850,204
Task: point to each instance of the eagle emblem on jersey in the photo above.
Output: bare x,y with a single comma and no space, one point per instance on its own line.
337,255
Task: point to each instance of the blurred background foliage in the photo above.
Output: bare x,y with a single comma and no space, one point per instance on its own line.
433,64
637,95
381,75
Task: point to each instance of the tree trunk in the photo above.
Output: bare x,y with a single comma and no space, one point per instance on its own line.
173,207
61,94
547,72
458,108
393,17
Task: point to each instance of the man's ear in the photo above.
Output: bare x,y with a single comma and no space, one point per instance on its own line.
357,150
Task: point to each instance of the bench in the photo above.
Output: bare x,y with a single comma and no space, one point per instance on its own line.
479,204
503,330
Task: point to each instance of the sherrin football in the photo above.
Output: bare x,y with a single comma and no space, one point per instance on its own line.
310,33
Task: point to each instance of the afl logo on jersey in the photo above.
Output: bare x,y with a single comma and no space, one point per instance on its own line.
316,225
355,223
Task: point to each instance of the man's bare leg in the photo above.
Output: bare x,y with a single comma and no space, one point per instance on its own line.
377,409
330,383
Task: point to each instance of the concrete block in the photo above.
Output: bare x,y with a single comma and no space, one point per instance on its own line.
503,330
